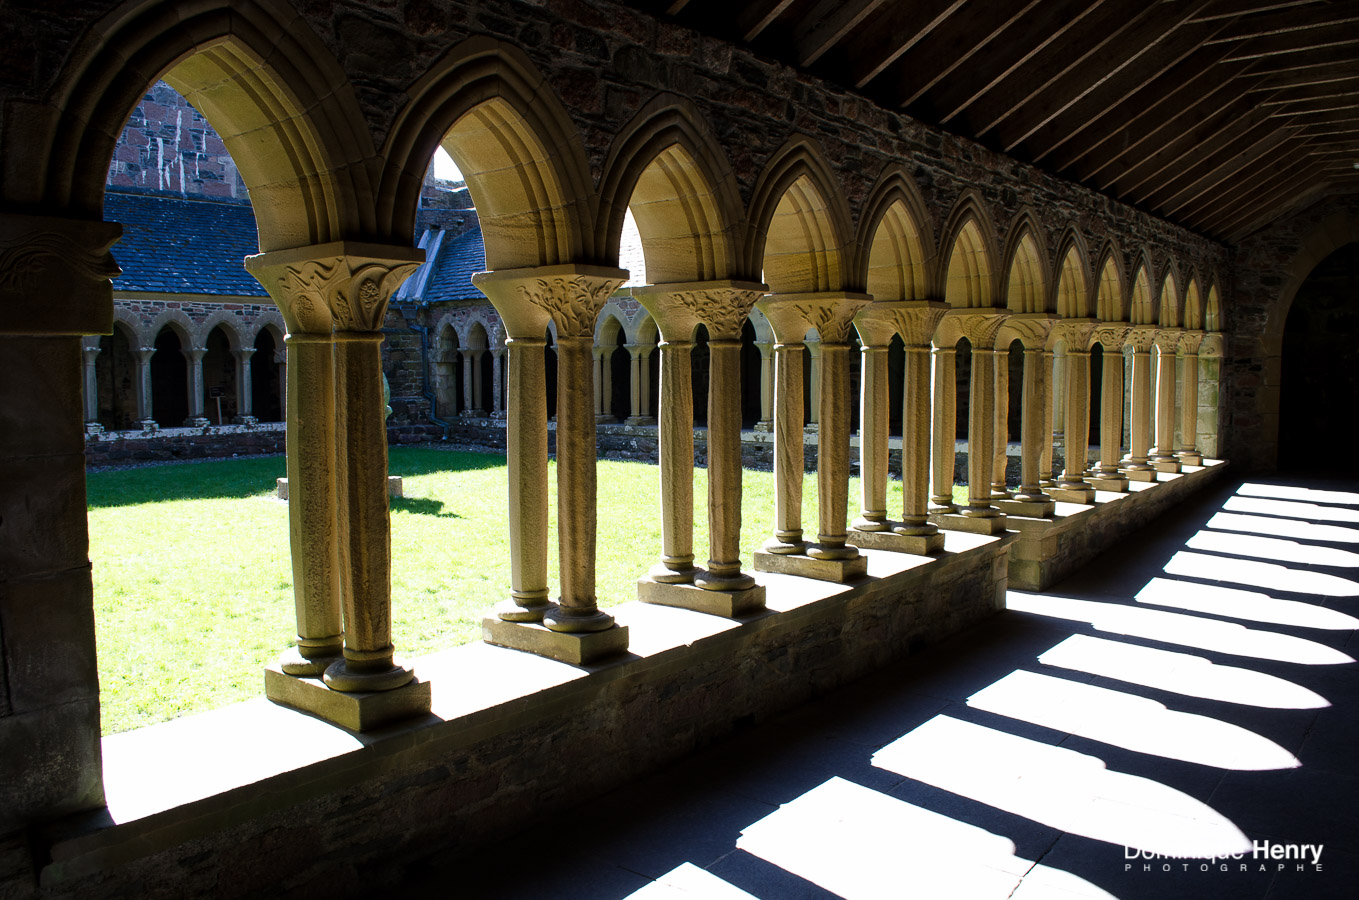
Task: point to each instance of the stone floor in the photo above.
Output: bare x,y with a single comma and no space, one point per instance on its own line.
1193,695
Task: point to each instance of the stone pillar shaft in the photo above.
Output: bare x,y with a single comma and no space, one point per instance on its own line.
89,383
244,383
676,435
1077,416
724,458
788,452
635,381
467,385
1035,431
526,456
874,435
832,458
766,349
814,382
1165,405
915,439
576,494
980,429
644,389
1046,461
145,414
498,383
195,357
1111,412
1000,459
1141,409
945,424
1189,404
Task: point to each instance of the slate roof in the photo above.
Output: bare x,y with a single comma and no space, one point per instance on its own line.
182,246
458,259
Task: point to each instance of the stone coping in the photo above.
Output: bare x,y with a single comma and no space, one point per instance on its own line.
168,434
196,776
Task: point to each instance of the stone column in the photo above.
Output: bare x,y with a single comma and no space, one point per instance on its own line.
333,298
1032,330
814,383
1000,459
281,361
145,414
915,321
89,382
603,383
569,296
1106,475
196,418
722,306
245,392
1141,337
1047,463
54,289
945,451
477,383
1189,399
766,422
634,382
498,383
832,557
980,432
788,448
1072,486
467,404
648,414
1163,456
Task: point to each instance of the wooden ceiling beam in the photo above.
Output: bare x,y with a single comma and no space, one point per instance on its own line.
1247,190
1294,22
1299,189
827,24
1092,99
1278,145
1230,9
880,39
949,48
755,17
1310,75
1326,104
1347,88
1285,44
1340,55
1166,100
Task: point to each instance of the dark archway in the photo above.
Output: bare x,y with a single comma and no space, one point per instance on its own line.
169,381
620,379
115,372
550,371
699,366
750,377
896,383
266,399
219,378
1320,376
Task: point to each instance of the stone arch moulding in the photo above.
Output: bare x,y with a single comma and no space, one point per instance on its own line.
231,327
271,321
1072,292
246,68
1192,317
668,166
798,186
1025,255
969,227
1111,286
1141,297
1170,297
895,242
181,324
1328,236
517,147
611,313
133,329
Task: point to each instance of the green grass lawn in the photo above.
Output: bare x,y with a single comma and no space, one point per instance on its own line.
193,586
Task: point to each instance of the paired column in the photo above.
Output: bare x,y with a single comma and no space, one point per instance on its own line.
145,414
56,289
1000,460
333,298
570,297
1189,399
766,422
1032,330
1136,466
832,557
89,382
1163,455
1106,475
1047,464
1072,487
245,392
945,426
196,418
641,384
722,307
498,383
603,392
915,321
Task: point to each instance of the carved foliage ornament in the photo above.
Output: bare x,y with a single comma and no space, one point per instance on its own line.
831,319
1111,337
26,263
573,302
321,291
1142,339
722,310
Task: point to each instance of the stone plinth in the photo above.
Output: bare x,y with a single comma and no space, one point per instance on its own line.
728,604
1034,509
951,521
803,566
1143,475
1166,465
1072,494
358,710
1116,484
393,487
918,544
1190,459
577,648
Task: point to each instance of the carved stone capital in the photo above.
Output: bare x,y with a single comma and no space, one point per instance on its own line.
1214,344
1030,329
568,296
1074,333
1142,338
679,308
830,313
915,320
979,326
1190,341
1111,335
343,286
1168,339
56,275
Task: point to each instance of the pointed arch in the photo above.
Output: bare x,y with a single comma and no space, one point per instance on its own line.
799,223
1193,303
968,243
895,247
1212,309
180,324
1140,305
1072,296
667,166
276,96
1168,308
610,323
1025,265
229,325
1111,300
487,105
272,321
133,329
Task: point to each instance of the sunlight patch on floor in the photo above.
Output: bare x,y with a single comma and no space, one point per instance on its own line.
1272,548
1270,576
1290,492
1177,628
1180,673
1238,603
1134,723
1290,509
1285,528
1063,789
689,882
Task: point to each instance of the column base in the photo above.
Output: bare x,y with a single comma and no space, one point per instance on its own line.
1073,494
250,421
640,420
727,604
1113,482
915,544
577,648
1166,465
149,425
196,422
764,427
357,711
1146,473
94,428
999,492
839,571
1190,458
606,420
970,524
1030,509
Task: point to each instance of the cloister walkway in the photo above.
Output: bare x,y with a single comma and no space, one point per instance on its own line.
1192,693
